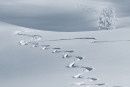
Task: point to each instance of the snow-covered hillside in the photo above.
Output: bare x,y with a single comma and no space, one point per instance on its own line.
61,15
34,58
57,43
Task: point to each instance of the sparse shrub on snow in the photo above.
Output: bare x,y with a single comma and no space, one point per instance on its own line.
107,19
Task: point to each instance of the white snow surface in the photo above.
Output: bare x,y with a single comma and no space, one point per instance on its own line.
105,53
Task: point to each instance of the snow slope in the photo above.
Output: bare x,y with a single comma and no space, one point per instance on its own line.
54,15
34,58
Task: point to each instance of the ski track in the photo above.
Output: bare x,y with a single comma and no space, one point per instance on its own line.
35,41
110,41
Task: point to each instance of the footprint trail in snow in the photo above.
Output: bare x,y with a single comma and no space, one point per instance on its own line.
36,41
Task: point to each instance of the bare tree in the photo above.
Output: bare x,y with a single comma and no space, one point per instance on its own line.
107,19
